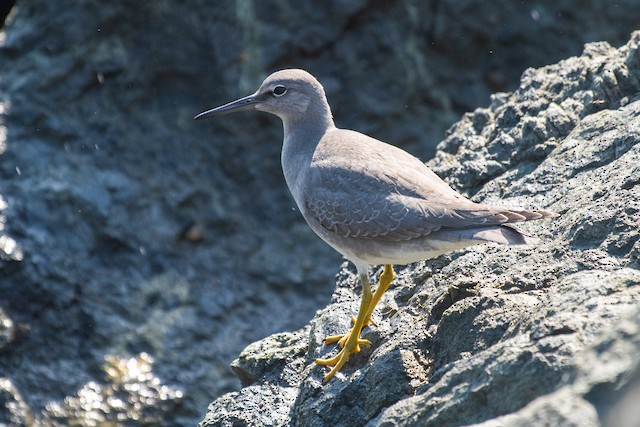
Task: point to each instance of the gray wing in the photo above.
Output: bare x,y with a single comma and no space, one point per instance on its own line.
354,189
363,206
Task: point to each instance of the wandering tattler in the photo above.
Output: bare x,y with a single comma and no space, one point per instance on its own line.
372,202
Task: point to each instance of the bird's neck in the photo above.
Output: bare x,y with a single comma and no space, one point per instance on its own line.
301,137
309,124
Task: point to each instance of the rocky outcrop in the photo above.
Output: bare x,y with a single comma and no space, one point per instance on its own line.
494,335
140,252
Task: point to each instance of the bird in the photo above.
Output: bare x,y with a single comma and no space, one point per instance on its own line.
373,202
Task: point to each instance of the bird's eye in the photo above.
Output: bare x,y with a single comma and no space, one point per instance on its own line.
279,90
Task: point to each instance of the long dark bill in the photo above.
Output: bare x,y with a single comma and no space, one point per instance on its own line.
246,103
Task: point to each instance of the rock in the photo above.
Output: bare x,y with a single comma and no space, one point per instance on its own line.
603,390
127,229
494,335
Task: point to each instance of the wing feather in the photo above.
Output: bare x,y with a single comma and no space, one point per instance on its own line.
354,191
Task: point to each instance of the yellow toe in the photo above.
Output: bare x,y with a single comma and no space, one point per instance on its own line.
338,361
350,343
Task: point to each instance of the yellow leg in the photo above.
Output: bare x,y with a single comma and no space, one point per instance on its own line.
386,278
351,341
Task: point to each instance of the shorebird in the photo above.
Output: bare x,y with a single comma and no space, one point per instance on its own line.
372,202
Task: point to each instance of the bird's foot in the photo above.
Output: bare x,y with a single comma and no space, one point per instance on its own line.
341,339
350,343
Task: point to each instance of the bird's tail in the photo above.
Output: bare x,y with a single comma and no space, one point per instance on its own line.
519,215
506,234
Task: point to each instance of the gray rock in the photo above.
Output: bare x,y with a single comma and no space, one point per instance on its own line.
604,389
493,335
128,230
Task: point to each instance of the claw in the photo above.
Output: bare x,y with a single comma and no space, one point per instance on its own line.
349,346
337,362
350,343
342,339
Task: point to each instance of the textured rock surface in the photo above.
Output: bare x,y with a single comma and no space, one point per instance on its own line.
140,252
492,335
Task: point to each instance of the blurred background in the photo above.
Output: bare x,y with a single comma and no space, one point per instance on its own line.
141,251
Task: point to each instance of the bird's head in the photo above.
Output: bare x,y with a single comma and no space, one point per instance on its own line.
289,94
